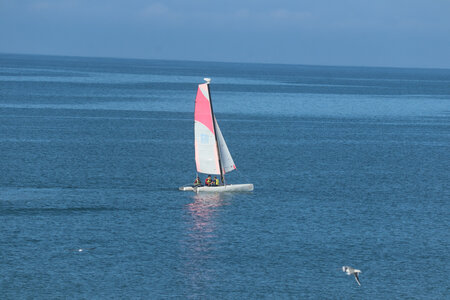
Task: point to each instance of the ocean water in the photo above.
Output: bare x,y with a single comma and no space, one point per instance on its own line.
351,166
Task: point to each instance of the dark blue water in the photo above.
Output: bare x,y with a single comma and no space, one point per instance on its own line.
350,166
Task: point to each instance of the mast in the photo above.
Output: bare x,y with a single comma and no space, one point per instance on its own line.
222,175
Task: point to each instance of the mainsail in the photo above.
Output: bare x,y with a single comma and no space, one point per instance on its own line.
211,152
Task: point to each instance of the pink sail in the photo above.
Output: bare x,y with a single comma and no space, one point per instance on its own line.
206,155
203,113
209,142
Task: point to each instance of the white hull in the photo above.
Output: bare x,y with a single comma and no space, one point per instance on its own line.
247,187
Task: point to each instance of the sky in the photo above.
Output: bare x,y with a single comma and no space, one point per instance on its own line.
396,33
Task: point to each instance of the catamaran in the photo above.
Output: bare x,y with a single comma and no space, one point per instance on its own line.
211,152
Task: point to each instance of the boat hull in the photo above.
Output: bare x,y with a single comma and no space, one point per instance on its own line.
246,187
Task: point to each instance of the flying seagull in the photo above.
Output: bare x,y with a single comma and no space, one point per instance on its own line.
350,271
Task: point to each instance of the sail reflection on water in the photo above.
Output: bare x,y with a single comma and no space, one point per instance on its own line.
201,241
203,211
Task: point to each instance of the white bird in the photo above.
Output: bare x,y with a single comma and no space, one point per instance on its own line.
350,271
208,80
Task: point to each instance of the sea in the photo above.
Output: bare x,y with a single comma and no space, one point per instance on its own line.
350,165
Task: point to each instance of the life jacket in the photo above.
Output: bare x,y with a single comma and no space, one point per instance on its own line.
207,181
217,181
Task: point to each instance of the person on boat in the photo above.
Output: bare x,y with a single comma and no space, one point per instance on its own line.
197,182
208,180
216,181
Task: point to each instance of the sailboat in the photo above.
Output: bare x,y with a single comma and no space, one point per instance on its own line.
211,152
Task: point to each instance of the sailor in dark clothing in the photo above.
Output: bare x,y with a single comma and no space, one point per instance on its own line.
197,182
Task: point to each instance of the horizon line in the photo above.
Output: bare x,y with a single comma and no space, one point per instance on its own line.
223,62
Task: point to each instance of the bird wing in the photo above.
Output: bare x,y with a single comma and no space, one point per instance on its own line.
357,279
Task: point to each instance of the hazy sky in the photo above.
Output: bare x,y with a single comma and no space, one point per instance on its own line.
404,33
